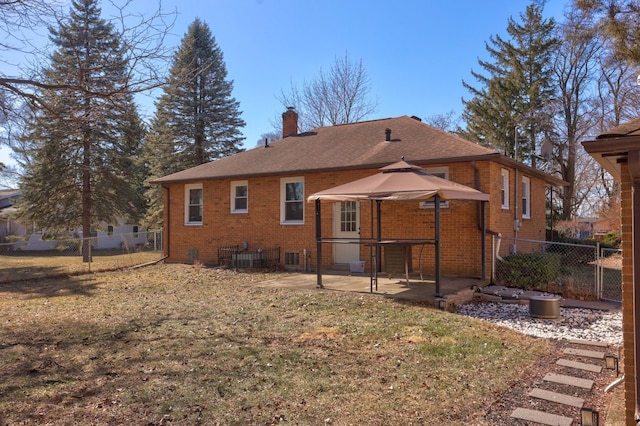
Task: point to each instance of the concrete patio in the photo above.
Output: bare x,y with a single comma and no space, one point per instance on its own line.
455,290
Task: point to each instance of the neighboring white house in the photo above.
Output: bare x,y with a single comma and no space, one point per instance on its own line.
8,226
122,235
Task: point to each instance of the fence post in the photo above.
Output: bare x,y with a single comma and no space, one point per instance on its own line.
90,255
599,275
493,259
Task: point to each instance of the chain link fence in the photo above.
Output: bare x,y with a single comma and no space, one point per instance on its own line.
610,279
35,256
579,271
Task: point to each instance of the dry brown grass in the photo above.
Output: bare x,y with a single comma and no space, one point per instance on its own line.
28,265
174,344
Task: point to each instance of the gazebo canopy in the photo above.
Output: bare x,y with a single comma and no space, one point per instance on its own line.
400,181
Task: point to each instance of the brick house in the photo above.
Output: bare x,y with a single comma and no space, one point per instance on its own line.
257,198
618,151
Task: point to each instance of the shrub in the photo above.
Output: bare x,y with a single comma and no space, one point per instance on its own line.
611,240
530,270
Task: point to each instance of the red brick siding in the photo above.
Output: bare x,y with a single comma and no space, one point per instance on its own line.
627,295
502,220
261,227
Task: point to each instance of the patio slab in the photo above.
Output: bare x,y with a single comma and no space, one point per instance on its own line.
454,290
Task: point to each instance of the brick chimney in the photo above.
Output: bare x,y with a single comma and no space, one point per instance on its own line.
289,122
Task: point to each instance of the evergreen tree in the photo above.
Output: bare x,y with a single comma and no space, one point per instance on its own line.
510,104
80,151
196,120
158,150
620,23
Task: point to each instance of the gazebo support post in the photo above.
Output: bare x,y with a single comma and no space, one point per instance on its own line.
318,245
436,201
483,239
373,263
379,237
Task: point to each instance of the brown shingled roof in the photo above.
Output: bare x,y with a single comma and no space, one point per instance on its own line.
630,128
346,146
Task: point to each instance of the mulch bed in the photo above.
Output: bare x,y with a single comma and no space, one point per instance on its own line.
517,396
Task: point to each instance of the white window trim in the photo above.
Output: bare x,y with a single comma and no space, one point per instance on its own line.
187,189
526,196
504,187
283,194
234,185
442,170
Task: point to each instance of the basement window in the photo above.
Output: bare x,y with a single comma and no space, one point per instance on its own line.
292,258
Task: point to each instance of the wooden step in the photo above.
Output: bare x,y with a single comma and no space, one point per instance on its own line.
541,417
568,380
560,398
579,365
589,343
584,353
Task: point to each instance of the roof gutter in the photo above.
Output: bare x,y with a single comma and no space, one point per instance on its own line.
497,157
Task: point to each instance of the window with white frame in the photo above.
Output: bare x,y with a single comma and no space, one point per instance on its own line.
292,200
504,189
239,196
193,204
441,172
526,198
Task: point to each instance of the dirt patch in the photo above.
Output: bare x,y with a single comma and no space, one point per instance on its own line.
320,333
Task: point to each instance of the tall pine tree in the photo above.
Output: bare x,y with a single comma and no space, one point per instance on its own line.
510,103
196,120
81,150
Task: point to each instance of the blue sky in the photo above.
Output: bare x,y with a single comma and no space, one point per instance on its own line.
415,52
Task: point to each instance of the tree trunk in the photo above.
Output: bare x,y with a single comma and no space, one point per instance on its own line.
86,194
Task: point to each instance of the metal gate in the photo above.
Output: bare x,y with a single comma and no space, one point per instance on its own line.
610,274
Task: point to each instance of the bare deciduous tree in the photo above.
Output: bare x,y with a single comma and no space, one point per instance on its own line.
448,122
575,71
142,37
338,96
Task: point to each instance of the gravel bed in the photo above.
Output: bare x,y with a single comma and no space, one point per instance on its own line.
573,324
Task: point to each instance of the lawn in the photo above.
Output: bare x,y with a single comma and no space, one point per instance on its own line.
20,265
178,344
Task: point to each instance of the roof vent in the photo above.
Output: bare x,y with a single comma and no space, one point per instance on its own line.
416,118
387,134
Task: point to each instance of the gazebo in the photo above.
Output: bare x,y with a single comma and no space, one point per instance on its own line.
400,181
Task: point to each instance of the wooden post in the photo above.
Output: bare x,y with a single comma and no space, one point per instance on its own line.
437,241
318,245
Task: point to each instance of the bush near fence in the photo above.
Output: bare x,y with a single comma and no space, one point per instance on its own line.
529,271
533,265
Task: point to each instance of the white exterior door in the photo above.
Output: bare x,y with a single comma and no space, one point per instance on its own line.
346,224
